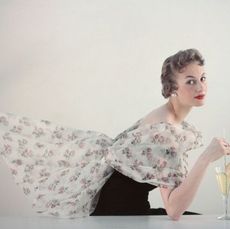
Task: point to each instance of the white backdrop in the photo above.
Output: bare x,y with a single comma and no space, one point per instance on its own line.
95,64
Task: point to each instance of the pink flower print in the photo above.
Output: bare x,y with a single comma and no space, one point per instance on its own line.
26,190
4,121
171,152
6,136
77,164
71,203
101,142
172,131
163,186
48,153
177,183
174,175
91,193
92,169
155,138
46,122
22,143
89,153
81,144
28,168
97,153
39,162
7,149
69,153
28,179
74,177
16,129
149,176
84,163
72,213
165,179
41,181
14,171
44,173
95,168
63,163
137,138
53,186
17,162
53,203
72,137
138,163
149,156
85,207
59,144
136,166
58,132
63,173
127,152
105,151
26,153
161,164
185,169
38,132
25,121
39,145
184,138
161,139
148,153
180,138
40,196
61,190
85,183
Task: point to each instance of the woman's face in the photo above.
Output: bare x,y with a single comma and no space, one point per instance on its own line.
192,86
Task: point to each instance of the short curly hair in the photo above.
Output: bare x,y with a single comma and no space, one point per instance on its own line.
176,63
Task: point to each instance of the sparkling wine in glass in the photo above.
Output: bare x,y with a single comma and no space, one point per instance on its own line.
223,180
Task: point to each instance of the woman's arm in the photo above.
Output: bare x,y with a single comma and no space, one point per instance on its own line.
177,200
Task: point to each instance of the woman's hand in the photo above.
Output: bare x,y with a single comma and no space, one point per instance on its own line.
216,149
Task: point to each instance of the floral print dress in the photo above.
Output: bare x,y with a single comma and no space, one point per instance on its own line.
62,169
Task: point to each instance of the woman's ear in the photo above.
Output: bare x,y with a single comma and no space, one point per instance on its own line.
174,94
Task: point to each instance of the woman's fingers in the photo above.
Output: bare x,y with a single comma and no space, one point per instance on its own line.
225,145
227,148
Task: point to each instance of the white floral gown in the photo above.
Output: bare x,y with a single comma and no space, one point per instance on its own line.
62,169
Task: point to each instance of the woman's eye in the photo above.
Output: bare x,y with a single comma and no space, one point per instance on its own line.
191,82
203,78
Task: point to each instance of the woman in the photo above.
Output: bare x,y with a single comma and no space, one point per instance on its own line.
70,172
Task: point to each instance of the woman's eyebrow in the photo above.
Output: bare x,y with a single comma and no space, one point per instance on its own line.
194,76
190,77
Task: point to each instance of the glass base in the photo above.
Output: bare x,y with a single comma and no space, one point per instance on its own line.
224,217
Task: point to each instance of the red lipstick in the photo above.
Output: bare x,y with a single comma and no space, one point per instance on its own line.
200,97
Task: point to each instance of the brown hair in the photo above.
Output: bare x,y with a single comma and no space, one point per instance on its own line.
176,63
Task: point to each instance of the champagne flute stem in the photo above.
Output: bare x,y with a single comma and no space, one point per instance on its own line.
225,198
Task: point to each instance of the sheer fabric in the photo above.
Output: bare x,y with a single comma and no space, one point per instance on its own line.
63,169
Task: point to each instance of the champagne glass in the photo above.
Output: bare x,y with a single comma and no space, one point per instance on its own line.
223,180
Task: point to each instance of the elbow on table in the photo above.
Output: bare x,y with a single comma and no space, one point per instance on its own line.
173,215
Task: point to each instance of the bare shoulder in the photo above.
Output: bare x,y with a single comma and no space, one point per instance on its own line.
157,115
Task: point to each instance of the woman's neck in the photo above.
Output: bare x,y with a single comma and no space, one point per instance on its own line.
177,112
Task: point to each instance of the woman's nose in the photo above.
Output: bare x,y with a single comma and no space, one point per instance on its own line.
200,86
